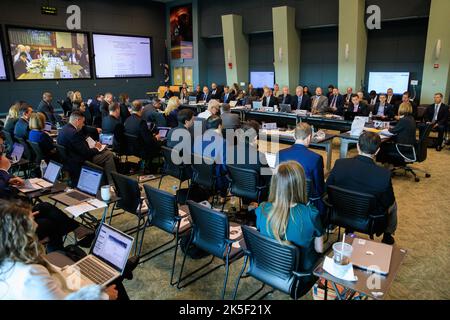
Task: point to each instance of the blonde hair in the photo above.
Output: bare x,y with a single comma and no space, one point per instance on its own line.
405,109
19,241
173,104
13,112
288,187
213,104
76,97
37,121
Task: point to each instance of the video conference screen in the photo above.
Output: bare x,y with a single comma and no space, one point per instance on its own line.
45,54
262,79
122,56
2,65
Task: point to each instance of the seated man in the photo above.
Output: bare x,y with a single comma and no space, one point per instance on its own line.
213,109
319,102
152,113
229,120
311,162
358,108
382,109
215,92
22,129
71,137
45,106
149,146
113,125
227,96
362,174
205,96
185,122
437,116
268,100
300,101
285,98
336,102
167,92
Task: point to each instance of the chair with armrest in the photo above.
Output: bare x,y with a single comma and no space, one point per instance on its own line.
164,214
9,141
182,172
274,264
407,154
39,155
211,233
354,211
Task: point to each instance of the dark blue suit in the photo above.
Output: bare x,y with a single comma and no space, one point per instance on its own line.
339,101
305,103
21,130
312,163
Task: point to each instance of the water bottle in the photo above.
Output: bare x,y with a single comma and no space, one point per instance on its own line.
43,167
370,117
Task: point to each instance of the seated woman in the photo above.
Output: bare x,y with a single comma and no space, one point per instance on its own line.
171,112
404,133
12,118
38,135
290,219
24,274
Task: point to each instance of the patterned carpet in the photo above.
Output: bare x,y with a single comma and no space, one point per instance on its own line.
423,229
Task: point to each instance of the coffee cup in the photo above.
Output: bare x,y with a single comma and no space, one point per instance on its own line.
106,193
342,253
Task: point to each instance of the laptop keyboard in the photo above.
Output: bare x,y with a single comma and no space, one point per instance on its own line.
94,271
76,195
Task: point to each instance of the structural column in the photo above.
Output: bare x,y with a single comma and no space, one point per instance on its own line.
235,45
352,44
436,67
286,44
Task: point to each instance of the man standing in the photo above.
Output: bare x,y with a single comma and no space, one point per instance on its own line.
45,106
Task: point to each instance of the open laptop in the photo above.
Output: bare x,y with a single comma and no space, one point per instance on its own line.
233,103
162,131
106,260
371,255
285,108
257,105
17,153
107,139
48,180
48,127
192,100
87,188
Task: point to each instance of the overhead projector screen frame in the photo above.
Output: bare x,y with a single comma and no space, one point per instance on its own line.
123,35
389,85
10,57
3,52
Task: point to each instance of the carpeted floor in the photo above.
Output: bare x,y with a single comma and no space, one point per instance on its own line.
423,229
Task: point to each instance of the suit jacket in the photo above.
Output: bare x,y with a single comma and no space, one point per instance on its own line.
137,126
201,97
21,130
77,149
112,125
272,102
388,110
167,95
442,117
361,174
48,110
395,100
363,109
104,109
287,100
153,115
231,97
217,95
339,103
10,125
348,98
405,130
322,105
305,104
67,105
5,191
230,120
124,113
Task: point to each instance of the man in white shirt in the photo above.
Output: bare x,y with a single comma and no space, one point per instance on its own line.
213,109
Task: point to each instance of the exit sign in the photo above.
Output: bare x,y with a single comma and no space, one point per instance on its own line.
48,10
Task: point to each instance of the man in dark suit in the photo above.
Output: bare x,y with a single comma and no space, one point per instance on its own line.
311,162
22,129
151,113
167,93
67,103
391,98
227,96
285,98
185,122
72,138
358,107
268,99
205,96
382,109
229,120
198,93
362,174
300,101
336,102
215,92
348,97
437,115
45,106
149,146
112,125
20,66
107,101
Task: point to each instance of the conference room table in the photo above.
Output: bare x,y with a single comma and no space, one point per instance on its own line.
347,140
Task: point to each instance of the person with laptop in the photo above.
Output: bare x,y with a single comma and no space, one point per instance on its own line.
213,109
78,150
268,100
362,174
289,218
38,135
285,97
113,125
152,113
300,101
311,162
22,129
24,273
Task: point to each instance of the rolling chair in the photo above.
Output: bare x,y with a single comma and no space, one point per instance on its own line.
182,172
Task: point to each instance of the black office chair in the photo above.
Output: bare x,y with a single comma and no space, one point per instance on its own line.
9,141
246,183
130,201
408,154
164,214
274,264
182,172
39,155
28,155
354,211
211,233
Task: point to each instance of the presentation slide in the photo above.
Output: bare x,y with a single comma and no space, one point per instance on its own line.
262,79
2,65
381,81
122,56
43,54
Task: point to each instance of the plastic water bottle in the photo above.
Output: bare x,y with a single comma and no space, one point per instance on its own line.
370,117
43,167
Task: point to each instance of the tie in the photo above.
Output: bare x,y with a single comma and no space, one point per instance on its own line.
226,97
355,109
436,106
299,104
206,97
333,104
316,102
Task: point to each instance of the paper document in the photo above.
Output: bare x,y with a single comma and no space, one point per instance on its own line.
92,143
79,209
97,203
386,132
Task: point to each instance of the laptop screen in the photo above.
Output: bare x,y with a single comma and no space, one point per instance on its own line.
162,131
48,127
107,139
17,152
89,180
112,246
52,171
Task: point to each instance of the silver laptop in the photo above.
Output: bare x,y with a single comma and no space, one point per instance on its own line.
87,188
257,105
371,255
106,261
48,180
17,153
